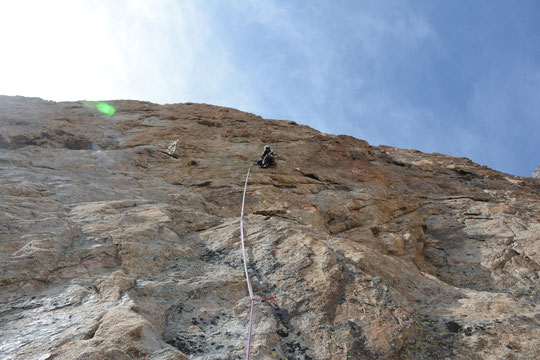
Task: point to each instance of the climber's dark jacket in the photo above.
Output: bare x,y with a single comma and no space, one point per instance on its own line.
266,152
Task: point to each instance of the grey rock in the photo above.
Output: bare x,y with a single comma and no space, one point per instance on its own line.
536,173
119,239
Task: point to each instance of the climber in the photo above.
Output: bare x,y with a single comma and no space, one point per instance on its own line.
267,158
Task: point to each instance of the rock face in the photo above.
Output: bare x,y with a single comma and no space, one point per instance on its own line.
536,173
119,239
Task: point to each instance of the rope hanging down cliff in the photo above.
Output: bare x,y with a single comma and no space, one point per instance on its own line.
250,289
251,298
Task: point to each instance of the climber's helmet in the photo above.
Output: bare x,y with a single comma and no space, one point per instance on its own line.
266,147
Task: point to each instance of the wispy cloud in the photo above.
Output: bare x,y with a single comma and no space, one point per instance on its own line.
49,47
164,51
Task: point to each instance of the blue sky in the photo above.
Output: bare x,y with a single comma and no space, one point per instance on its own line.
459,77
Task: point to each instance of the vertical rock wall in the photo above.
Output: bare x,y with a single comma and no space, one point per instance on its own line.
119,239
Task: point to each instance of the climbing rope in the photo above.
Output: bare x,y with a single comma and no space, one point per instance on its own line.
251,298
250,289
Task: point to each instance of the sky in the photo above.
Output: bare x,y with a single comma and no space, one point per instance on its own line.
458,77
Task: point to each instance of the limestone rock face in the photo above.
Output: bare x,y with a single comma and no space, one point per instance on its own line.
536,173
119,239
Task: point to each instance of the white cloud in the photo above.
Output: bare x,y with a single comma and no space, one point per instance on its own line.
53,48
162,51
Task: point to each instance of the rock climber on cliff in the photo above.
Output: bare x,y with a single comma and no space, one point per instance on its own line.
267,158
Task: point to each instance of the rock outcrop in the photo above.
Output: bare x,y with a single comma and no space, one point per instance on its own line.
536,173
119,239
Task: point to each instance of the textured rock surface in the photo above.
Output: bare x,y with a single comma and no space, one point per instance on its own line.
120,240
536,173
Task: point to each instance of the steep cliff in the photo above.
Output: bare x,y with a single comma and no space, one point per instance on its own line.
536,172
120,239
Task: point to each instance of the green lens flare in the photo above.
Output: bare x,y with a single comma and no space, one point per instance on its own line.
102,107
106,108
